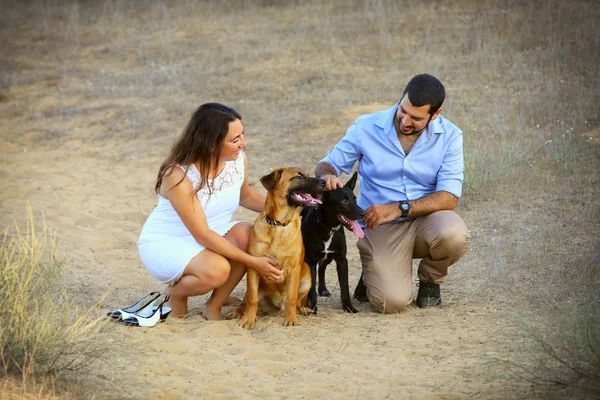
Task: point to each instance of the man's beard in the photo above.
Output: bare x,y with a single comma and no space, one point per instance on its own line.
413,132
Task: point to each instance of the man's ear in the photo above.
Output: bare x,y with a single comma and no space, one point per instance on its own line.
270,181
435,115
352,182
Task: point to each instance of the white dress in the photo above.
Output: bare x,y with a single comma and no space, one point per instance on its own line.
166,246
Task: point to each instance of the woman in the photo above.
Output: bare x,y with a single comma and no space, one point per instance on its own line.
189,240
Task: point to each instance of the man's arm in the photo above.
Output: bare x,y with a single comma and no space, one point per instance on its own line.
438,201
341,159
326,171
448,190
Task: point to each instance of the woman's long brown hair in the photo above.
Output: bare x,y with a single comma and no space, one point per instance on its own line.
201,141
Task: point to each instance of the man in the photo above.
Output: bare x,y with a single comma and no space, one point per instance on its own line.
410,160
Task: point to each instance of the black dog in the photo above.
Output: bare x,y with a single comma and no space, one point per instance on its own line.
360,293
324,239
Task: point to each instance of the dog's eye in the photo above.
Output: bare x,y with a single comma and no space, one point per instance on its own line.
345,201
297,176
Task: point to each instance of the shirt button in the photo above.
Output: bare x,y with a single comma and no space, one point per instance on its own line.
403,177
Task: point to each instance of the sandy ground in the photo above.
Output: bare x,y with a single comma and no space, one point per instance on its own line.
85,124
97,209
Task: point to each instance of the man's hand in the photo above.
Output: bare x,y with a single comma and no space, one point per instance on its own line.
326,171
332,182
378,213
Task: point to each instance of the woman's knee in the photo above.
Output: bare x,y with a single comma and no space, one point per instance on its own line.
218,273
212,271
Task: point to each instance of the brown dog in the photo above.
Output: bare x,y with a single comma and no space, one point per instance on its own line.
277,234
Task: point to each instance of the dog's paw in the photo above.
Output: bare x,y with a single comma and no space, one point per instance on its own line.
311,300
235,314
290,322
231,315
349,308
362,298
248,323
360,293
306,311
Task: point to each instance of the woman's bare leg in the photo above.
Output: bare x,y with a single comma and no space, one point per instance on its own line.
238,236
212,309
206,271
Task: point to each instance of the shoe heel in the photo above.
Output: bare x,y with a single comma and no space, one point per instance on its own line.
128,311
165,313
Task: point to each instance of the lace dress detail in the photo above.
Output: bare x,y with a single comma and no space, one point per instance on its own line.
229,177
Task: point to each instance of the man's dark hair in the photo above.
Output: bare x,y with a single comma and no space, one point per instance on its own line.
425,89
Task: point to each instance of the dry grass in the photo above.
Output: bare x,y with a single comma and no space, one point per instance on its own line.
100,78
42,332
559,354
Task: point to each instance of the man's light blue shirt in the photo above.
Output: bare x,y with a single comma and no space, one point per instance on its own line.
388,175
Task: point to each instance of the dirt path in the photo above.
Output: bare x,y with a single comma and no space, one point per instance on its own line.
92,96
98,209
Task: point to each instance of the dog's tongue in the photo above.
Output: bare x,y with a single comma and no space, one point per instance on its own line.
307,199
354,226
356,229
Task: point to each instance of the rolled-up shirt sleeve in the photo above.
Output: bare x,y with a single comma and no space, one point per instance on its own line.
345,153
451,174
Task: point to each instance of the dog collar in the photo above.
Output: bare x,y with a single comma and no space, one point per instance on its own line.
274,222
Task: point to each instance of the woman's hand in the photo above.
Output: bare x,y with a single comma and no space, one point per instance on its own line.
267,267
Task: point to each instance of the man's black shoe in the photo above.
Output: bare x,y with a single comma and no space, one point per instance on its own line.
429,295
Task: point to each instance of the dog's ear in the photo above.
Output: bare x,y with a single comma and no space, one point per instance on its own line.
352,182
270,181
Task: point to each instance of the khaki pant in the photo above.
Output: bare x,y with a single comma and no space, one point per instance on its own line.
386,253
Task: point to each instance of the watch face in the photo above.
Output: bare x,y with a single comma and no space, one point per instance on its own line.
405,206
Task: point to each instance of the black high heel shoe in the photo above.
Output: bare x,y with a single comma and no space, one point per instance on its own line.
128,311
151,314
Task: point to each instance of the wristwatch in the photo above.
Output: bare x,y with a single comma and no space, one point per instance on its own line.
404,207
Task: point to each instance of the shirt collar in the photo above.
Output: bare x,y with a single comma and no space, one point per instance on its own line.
386,120
435,126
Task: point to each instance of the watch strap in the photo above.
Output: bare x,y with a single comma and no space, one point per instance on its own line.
404,206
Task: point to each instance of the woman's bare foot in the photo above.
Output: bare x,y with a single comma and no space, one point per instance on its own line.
211,313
